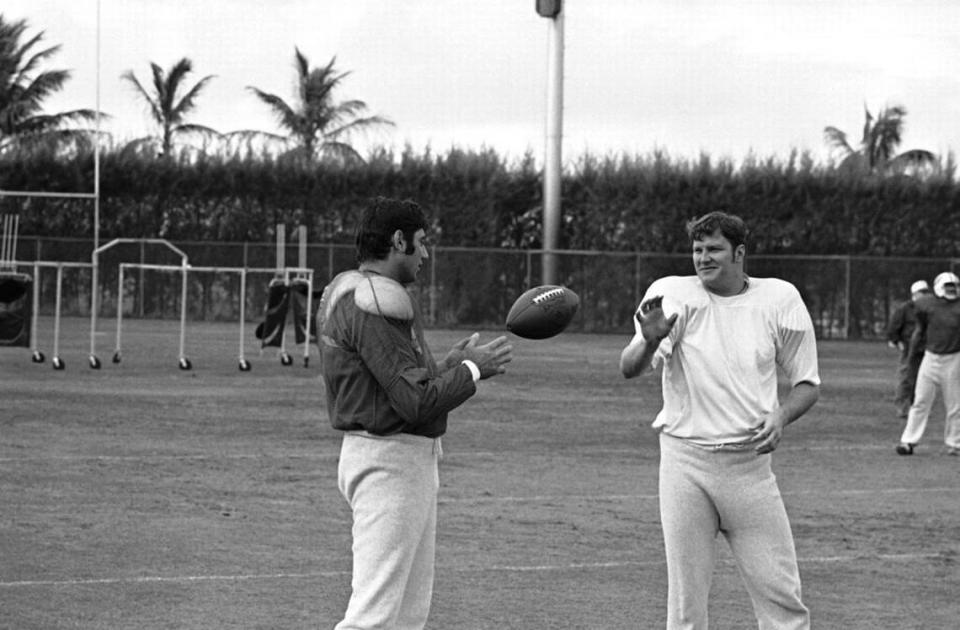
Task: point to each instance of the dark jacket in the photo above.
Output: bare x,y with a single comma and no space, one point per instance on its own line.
902,323
379,373
938,324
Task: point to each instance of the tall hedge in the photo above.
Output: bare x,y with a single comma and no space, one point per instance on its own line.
479,198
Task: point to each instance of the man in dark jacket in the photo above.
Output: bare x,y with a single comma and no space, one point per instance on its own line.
390,398
902,323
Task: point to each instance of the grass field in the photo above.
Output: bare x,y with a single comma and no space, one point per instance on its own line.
141,496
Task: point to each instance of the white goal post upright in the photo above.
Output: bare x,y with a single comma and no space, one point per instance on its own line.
94,273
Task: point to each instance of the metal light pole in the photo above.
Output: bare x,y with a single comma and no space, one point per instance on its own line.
554,138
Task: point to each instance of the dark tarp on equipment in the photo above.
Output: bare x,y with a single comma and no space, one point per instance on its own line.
16,309
270,332
298,291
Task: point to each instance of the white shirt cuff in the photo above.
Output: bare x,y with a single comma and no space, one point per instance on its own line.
474,370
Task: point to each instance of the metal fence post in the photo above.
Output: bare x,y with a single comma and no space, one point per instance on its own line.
636,279
433,285
143,261
846,300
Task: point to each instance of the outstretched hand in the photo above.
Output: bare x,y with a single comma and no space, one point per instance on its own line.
654,324
491,357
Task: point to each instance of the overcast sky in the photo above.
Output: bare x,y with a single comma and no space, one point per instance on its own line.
725,77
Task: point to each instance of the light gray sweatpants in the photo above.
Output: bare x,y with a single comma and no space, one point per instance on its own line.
704,493
391,484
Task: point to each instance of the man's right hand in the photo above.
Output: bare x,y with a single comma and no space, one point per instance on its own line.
491,358
654,325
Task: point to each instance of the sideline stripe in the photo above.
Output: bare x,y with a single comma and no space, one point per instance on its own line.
153,458
448,454
550,497
157,579
653,497
176,579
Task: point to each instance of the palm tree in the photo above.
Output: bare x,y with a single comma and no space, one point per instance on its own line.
316,124
881,137
23,89
166,109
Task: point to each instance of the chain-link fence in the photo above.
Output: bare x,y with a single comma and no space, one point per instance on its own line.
848,296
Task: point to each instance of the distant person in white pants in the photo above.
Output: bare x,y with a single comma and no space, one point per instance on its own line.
938,322
391,398
720,337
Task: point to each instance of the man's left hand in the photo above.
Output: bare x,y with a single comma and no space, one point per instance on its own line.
456,354
769,434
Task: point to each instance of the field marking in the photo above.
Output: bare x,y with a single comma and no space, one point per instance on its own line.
171,457
791,448
448,454
651,497
551,497
574,566
148,579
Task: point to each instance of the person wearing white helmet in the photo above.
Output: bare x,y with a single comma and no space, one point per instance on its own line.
899,330
938,323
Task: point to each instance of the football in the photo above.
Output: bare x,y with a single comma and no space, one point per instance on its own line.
542,312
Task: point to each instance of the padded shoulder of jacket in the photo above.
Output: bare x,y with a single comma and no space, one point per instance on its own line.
382,296
373,294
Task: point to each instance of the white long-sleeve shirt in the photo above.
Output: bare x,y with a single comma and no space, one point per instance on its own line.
720,359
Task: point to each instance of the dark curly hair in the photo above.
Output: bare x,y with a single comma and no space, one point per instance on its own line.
380,220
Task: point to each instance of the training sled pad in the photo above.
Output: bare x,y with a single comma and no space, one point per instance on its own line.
16,309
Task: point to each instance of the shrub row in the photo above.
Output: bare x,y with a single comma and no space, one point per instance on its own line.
481,199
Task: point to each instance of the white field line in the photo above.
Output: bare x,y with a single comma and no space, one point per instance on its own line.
512,498
653,497
165,457
333,455
574,566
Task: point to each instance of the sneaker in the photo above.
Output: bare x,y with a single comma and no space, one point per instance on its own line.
904,449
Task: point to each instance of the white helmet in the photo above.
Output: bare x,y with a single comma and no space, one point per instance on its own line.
940,289
919,286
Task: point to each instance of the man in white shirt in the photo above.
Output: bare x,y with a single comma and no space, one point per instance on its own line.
721,337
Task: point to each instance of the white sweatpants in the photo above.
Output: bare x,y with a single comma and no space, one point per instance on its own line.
704,493
938,372
391,484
